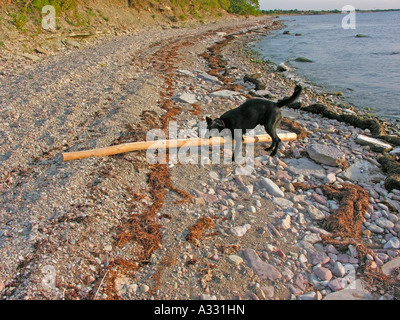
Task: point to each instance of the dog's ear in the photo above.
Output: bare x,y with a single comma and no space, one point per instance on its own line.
209,120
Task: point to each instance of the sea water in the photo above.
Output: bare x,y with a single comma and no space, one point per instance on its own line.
365,68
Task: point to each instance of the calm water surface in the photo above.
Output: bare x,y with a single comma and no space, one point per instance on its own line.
365,69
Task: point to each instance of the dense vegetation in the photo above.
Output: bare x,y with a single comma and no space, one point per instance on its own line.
80,12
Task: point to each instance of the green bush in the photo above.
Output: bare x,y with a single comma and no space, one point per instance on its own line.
245,7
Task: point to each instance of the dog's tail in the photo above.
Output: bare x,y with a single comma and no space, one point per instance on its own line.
293,98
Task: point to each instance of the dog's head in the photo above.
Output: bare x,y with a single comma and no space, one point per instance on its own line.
216,124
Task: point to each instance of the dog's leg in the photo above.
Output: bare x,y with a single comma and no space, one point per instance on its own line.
277,142
270,128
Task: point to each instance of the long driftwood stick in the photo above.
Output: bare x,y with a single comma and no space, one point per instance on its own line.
166,144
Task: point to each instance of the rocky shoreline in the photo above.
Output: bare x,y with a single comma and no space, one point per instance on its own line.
119,228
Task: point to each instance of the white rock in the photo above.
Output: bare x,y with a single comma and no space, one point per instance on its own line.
315,213
283,203
187,98
240,231
374,143
249,189
302,259
235,259
271,187
286,222
312,238
207,77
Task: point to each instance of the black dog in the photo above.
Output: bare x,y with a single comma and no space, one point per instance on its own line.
251,113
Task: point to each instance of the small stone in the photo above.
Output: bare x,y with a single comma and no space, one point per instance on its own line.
312,238
388,267
199,201
210,198
283,203
187,98
337,284
330,178
235,259
294,290
213,175
271,187
393,243
367,233
240,231
384,223
375,229
303,259
320,258
144,288
269,291
375,144
338,270
315,213
323,273
301,281
286,222
249,189
261,268
239,181
108,248
328,155
209,78
319,199
308,296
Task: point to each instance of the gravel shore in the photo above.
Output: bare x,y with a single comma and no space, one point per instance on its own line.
120,228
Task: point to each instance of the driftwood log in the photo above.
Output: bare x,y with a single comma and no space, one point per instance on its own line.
167,144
